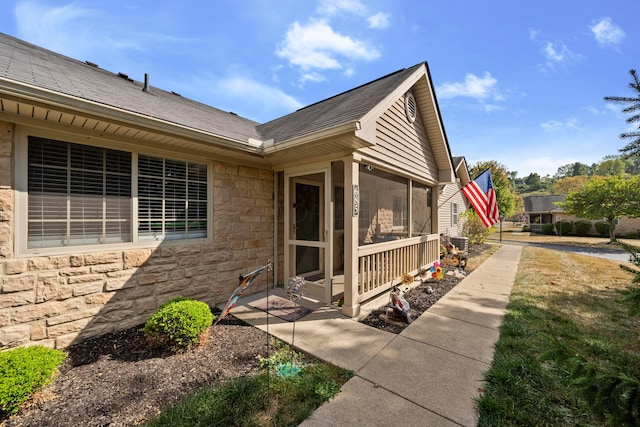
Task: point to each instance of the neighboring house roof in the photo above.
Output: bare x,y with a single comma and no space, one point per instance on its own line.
543,204
39,83
461,169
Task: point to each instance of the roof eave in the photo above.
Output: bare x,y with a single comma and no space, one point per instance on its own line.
65,102
269,147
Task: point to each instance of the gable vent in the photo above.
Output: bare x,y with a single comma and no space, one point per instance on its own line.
410,107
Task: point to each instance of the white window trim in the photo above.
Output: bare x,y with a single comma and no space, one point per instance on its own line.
455,213
21,195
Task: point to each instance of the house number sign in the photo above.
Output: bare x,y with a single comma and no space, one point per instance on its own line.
356,200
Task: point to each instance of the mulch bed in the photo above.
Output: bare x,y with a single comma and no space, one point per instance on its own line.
118,380
419,298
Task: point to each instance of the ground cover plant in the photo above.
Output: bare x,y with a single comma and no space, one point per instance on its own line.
569,350
24,371
284,393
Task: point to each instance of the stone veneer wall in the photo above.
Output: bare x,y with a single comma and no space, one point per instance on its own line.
60,300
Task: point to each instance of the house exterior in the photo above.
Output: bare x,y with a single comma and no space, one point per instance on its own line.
116,196
543,209
453,202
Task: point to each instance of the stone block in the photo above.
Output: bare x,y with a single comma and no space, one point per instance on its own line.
139,292
85,278
5,317
32,313
137,258
100,299
72,316
106,268
150,279
76,260
75,271
17,299
65,341
6,172
48,263
117,283
47,288
67,328
38,330
13,336
23,282
88,288
15,266
102,258
173,286
160,268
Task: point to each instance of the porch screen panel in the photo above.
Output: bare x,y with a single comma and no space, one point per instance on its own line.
420,209
78,194
172,199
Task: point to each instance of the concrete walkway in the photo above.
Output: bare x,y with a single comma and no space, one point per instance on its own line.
429,374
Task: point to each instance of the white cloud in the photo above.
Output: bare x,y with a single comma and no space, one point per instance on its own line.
57,28
556,125
472,87
533,34
312,77
379,20
606,33
317,46
332,7
557,54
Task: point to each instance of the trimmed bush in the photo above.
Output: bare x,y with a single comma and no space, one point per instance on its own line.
178,322
23,371
547,228
564,227
583,227
602,228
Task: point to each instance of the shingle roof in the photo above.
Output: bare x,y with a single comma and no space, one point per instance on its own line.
340,109
543,204
26,63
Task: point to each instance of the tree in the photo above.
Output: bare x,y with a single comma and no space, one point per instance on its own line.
611,167
633,147
505,194
605,198
569,184
572,169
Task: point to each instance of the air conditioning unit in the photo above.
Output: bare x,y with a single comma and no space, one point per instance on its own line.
461,243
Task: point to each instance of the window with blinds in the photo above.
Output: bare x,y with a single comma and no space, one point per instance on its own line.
82,195
78,194
172,199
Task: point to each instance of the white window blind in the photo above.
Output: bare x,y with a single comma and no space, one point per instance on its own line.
172,199
82,195
454,214
78,194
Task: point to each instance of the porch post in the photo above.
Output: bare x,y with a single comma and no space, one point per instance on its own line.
351,307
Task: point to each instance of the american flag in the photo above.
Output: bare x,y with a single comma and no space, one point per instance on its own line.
482,197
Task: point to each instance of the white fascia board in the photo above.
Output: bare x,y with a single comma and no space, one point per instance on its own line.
73,104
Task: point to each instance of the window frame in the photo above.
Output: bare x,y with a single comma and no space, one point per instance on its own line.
22,135
455,213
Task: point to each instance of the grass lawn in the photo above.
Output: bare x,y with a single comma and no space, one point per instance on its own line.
565,338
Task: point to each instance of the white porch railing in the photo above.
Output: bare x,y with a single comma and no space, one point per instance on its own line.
380,265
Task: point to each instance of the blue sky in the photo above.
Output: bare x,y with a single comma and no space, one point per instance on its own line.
518,82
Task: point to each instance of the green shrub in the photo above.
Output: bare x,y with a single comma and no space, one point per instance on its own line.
632,235
547,228
23,371
564,227
178,322
602,228
583,227
474,229
526,228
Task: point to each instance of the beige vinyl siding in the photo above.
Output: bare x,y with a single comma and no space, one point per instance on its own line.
450,195
404,145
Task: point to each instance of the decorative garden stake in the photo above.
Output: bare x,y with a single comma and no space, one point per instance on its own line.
296,289
437,270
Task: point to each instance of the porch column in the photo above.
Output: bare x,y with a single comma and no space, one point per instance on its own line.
351,307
